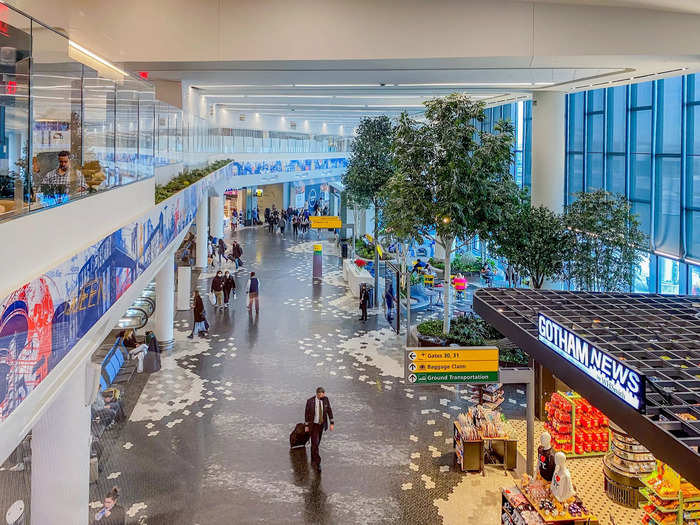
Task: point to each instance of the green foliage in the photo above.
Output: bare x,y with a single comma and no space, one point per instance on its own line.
362,250
535,241
513,355
184,179
607,242
468,330
463,263
451,177
369,165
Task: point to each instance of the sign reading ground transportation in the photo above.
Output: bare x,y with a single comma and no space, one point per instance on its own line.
617,377
325,221
466,364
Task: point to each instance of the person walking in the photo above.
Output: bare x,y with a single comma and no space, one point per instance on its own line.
229,285
295,225
318,416
221,250
217,287
111,512
200,326
283,224
364,301
252,291
390,299
236,252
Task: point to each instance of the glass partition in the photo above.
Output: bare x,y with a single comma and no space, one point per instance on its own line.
71,123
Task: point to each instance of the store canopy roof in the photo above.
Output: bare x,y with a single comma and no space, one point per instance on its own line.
655,335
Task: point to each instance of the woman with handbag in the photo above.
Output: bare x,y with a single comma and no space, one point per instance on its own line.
200,317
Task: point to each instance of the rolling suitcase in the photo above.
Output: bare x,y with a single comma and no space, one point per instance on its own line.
298,437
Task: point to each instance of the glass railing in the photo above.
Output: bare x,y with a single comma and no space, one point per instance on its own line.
71,123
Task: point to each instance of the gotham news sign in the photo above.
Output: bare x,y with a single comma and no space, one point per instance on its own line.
609,372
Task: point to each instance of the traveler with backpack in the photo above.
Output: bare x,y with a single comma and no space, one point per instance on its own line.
217,288
252,291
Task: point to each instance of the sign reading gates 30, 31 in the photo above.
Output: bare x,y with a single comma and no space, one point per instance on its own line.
611,373
472,364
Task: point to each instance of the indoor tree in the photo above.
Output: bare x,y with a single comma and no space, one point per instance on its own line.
369,169
534,241
452,177
607,242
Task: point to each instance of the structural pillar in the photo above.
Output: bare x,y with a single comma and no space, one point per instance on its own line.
548,149
165,304
216,216
61,457
202,225
285,195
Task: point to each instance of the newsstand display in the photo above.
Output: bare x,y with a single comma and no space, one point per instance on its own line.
624,466
672,500
531,503
489,396
577,428
483,432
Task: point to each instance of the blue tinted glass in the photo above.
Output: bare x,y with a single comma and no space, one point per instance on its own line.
694,275
595,100
576,121
693,129
615,174
667,214
640,136
617,119
693,88
644,278
575,174
669,276
640,177
594,171
668,122
692,231
595,133
642,94
643,212
693,182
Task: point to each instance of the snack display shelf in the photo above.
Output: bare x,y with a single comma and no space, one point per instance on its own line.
562,519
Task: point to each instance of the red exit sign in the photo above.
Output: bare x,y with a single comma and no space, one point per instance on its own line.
143,74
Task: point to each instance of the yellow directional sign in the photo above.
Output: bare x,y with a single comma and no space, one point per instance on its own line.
325,221
476,364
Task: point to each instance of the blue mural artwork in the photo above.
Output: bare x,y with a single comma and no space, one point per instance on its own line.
44,319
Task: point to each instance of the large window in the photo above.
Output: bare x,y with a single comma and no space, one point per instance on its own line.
643,141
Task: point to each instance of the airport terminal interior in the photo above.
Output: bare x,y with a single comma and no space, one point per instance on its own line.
350,262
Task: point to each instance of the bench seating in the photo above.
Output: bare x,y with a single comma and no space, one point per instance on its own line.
116,367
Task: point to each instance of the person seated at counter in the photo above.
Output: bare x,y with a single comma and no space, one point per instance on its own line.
61,181
487,274
421,266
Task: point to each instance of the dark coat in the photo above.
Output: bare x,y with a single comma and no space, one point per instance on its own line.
199,315
229,284
217,284
364,297
236,250
310,412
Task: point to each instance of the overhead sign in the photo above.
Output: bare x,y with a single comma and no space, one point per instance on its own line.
470,364
611,373
325,221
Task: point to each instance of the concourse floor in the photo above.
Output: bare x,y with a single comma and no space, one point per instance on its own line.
207,441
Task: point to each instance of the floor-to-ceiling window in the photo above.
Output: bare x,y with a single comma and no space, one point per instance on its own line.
642,141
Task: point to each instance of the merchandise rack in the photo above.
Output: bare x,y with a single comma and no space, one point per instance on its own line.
571,398
509,511
655,334
685,511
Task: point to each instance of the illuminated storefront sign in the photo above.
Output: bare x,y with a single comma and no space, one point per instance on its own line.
609,372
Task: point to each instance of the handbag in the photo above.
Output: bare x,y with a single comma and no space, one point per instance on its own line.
212,298
206,325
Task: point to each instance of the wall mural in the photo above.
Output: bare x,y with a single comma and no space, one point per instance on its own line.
43,320
261,167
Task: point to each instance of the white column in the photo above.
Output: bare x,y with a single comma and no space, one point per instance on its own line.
165,303
202,221
61,457
216,216
548,149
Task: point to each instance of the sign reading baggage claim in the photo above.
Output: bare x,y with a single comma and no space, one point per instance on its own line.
611,373
470,364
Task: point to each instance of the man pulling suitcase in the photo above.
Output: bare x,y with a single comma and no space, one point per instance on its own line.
318,417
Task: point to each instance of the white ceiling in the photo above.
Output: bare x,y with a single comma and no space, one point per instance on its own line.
679,6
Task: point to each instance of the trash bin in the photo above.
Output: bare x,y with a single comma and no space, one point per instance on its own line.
344,250
370,295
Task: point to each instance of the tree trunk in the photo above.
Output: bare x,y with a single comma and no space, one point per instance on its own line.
407,275
376,259
447,244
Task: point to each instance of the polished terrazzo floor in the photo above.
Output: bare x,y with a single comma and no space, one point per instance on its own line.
207,442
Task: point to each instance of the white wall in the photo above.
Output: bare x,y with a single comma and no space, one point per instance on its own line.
39,241
181,30
229,118
164,173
